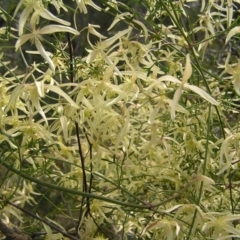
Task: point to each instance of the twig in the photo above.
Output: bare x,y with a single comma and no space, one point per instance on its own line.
81,155
91,172
43,221
13,234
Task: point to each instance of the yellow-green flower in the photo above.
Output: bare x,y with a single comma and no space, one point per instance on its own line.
36,36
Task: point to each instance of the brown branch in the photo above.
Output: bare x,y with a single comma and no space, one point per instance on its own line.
80,151
12,233
65,234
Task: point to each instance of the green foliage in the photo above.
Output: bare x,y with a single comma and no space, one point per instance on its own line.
136,139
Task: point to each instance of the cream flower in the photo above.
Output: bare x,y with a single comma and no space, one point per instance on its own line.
36,36
82,5
183,84
37,6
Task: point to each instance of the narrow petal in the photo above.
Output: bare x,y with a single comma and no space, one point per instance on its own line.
118,18
153,114
57,28
169,78
35,101
202,93
24,38
91,29
229,15
40,88
14,96
60,92
81,6
143,27
176,98
64,125
47,15
92,55
188,70
237,86
91,3
232,32
44,54
18,7
23,20
111,40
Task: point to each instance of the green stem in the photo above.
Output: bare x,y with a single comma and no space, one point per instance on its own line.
72,191
203,172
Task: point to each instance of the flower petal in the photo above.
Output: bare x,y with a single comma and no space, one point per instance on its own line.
91,29
176,98
188,70
47,15
111,40
24,38
57,28
169,78
232,32
202,93
143,27
44,54
23,20
60,92
237,86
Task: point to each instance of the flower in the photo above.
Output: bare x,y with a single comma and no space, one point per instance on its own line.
35,37
234,70
34,5
30,5
221,225
183,84
166,229
82,5
102,46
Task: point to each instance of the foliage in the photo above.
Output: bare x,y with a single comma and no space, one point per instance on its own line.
138,138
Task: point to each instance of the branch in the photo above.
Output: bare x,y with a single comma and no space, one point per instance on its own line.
13,233
41,220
